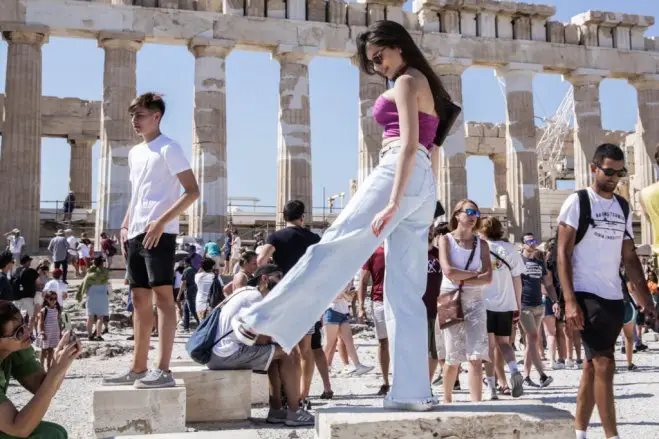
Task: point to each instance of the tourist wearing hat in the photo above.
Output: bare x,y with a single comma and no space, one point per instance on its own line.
26,279
16,243
59,247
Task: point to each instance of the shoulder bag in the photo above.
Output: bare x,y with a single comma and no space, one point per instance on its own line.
450,310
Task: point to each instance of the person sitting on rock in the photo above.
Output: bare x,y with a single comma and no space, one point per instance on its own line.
17,361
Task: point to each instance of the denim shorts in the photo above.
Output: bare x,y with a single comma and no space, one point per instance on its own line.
332,317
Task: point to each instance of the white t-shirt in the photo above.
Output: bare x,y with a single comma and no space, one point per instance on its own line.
59,287
340,305
83,250
178,279
154,167
241,299
204,282
499,296
596,259
16,244
73,244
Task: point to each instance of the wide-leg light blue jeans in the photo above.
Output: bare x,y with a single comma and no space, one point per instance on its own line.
302,296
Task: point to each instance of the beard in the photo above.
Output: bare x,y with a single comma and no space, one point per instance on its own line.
605,186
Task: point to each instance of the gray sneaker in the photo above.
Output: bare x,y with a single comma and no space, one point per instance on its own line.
123,379
155,379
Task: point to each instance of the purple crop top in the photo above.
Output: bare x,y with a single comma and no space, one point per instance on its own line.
386,114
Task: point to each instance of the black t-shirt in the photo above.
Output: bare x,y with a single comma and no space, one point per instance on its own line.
532,281
6,290
188,277
28,282
290,243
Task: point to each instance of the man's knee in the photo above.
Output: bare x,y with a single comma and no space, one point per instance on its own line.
603,364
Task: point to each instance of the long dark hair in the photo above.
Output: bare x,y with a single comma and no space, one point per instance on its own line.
394,36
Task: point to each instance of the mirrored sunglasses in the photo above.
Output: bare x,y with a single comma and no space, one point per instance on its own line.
473,212
531,242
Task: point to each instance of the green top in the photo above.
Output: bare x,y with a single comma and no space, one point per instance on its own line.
18,365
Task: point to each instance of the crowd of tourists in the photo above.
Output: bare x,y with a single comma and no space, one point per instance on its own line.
442,294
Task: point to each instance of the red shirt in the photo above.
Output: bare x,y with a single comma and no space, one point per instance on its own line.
375,266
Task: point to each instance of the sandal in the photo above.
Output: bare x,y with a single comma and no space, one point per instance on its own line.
384,389
504,391
328,394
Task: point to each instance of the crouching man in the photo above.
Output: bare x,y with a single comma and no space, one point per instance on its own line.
230,354
17,361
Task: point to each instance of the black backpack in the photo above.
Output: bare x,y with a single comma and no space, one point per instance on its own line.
215,295
17,283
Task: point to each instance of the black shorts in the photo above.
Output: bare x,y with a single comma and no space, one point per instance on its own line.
500,323
317,338
603,321
151,268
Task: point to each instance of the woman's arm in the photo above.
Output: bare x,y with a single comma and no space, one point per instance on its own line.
485,276
453,273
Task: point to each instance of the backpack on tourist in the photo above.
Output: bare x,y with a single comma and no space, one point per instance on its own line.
215,295
17,283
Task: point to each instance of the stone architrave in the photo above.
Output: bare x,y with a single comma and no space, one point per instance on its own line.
294,146
521,156
370,132
452,175
500,184
117,134
647,139
80,172
588,133
20,162
208,217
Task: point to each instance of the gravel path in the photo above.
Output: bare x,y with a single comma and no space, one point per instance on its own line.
637,393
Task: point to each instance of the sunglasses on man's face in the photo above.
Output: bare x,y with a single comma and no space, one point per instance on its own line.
472,212
531,242
19,333
610,172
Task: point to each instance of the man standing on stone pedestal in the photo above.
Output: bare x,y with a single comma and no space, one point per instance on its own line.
158,169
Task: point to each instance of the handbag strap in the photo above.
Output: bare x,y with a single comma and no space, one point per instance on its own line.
471,257
501,259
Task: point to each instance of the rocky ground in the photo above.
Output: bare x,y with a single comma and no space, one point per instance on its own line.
637,393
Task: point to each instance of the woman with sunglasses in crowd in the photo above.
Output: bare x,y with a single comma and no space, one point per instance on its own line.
394,204
17,361
466,264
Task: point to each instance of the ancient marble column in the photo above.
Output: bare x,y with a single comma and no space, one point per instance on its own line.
452,173
587,121
20,162
209,141
117,134
80,172
647,140
500,183
294,146
370,132
521,155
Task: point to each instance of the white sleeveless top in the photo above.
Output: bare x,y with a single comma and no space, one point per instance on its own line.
458,258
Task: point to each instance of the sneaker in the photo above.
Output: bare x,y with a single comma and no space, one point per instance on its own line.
529,383
277,416
123,379
579,363
243,332
360,369
491,394
299,418
545,381
155,379
305,404
384,389
640,347
569,364
632,367
517,382
130,338
410,406
555,365
456,386
438,380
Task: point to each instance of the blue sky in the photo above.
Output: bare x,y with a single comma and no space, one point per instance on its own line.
74,68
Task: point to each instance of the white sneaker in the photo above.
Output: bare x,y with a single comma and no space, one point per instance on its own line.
360,369
555,365
491,394
569,364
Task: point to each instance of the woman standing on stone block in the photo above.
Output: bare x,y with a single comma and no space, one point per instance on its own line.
394,204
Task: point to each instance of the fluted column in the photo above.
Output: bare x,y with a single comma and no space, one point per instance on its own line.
370,132
80,171
588,132
521,155
500,184
294,148
647,139
209,140
20,162
452,173
117,134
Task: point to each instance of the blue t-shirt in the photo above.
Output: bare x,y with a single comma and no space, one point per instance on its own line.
532,281
212,249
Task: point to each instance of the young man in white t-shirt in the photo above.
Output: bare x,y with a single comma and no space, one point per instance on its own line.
158,169
588,271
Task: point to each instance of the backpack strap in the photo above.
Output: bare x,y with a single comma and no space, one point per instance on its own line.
624,205
585,217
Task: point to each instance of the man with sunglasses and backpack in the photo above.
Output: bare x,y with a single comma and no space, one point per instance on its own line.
594,236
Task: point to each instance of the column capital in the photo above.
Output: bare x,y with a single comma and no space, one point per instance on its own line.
586,76
517,67
450,66
81,140
646,82
202,47
294,54
25,34
132,41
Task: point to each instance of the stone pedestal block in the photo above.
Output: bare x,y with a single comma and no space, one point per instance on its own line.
215,395
124,410
521,420
260,389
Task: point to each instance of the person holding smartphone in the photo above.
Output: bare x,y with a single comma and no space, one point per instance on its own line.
17,361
